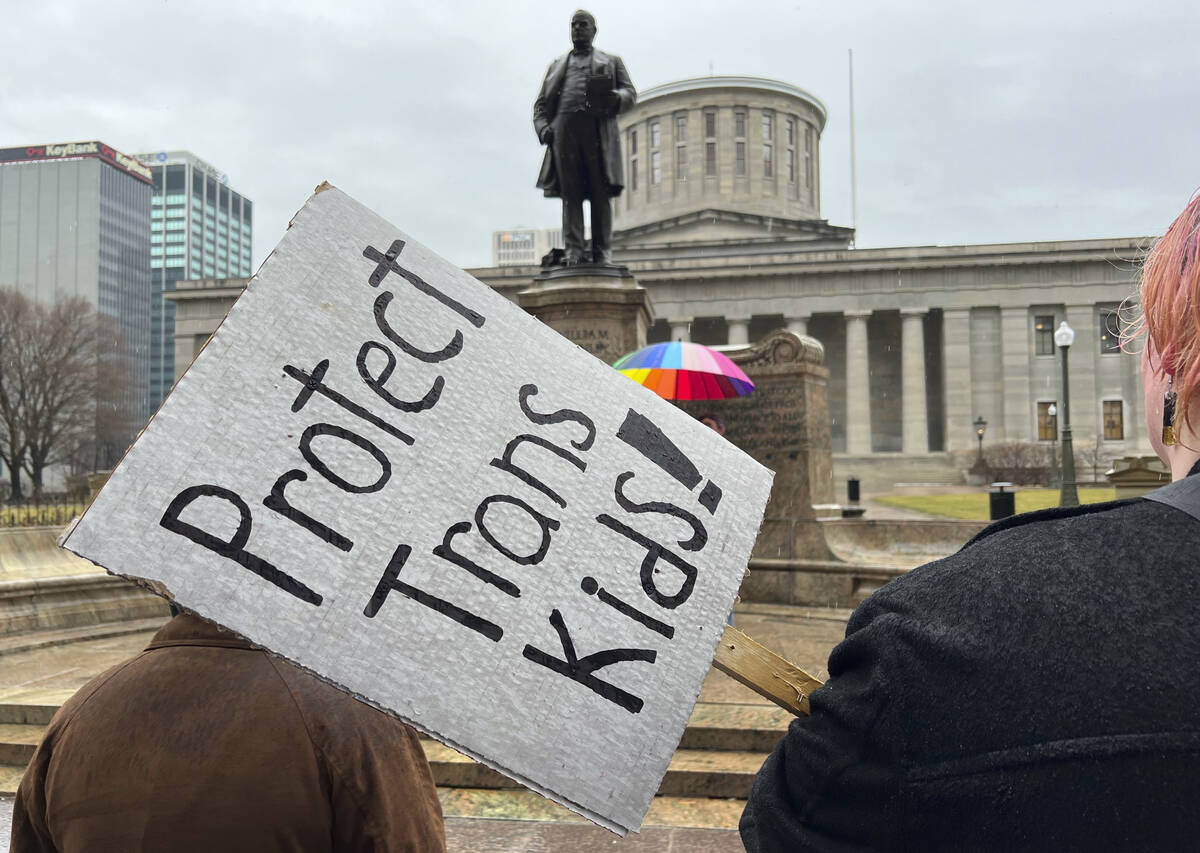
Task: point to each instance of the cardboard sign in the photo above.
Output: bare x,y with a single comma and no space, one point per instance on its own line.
386,472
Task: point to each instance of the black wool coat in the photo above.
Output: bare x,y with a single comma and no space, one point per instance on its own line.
1038,690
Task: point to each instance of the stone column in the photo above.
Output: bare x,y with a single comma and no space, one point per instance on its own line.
739,330
681,328
1016,349
858,384
797,324
913,412
956,359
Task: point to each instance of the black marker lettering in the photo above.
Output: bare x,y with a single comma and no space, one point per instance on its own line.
581,669
647,439
385,466
448,351
279,502
390,581
378,383
235,548
589,585
505,463
446,552
699,534
654,553
558,417
545,524
387,263
312,384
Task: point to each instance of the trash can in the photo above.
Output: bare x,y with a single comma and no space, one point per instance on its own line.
852,490
1001,503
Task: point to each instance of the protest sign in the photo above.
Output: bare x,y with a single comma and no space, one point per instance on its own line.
384,471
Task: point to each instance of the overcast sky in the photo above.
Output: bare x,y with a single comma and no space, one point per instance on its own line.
974,122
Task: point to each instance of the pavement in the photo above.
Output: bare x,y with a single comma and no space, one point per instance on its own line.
47,669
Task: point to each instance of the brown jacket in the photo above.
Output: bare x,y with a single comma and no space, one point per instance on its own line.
204,743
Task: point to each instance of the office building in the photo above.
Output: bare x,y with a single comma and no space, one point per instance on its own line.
75,221
523,246
199,228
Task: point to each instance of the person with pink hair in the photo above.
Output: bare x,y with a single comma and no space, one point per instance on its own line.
1036,690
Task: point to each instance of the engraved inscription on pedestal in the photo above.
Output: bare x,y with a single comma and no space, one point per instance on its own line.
784,424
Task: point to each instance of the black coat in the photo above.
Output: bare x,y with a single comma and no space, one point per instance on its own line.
1038,690
545,108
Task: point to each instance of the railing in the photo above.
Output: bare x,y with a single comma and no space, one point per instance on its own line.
48,510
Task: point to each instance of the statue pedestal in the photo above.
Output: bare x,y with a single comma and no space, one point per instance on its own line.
601,308
784,425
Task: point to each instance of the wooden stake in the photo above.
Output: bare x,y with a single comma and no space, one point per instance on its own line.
764,672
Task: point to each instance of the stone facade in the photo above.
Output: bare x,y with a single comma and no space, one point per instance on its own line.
919,341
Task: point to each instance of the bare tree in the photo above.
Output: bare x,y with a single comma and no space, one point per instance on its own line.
64,384
16,329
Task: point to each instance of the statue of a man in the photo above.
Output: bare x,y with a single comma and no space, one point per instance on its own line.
575,116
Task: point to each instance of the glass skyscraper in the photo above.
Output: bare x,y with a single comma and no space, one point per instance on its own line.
74,221
199,228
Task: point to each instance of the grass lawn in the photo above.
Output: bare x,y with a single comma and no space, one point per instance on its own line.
974,506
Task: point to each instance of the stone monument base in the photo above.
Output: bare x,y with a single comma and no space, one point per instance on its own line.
601,308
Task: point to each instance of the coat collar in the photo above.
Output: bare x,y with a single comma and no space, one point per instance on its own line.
187,629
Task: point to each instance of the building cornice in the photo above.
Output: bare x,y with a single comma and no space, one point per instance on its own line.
758,84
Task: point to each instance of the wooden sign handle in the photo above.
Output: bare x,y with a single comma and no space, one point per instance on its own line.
764,672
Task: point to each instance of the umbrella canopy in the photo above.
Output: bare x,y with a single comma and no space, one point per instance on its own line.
681,370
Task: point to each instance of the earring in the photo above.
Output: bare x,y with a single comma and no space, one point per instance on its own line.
1168,428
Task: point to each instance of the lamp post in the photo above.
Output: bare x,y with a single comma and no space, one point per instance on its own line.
1064,336
1055,478
980,426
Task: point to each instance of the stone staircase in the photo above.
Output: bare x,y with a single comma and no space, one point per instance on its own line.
706,783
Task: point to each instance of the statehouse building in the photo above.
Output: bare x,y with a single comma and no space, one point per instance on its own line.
720,221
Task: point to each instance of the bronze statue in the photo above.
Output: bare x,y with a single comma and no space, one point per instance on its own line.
575,116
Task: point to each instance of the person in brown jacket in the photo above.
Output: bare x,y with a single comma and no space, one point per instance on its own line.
204,742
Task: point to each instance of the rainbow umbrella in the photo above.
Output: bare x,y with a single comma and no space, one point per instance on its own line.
680,370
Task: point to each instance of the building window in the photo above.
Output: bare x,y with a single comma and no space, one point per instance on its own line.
681,147
1043,334
633,170
768,126
655,134
633,141
1110,331
1114,420
791,150
710,143
739,123
655,168
808,164
1047,424
739,158
768,161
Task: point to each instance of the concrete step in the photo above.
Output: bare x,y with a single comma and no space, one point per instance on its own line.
519,804
691,773
722,748
18,741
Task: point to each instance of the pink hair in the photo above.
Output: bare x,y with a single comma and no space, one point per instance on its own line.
1170,297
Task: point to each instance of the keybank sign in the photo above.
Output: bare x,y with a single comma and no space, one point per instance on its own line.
63,150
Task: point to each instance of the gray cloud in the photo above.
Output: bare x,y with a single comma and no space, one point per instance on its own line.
973,124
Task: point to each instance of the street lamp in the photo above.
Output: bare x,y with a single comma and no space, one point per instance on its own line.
980,426
1064,336
1052,413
